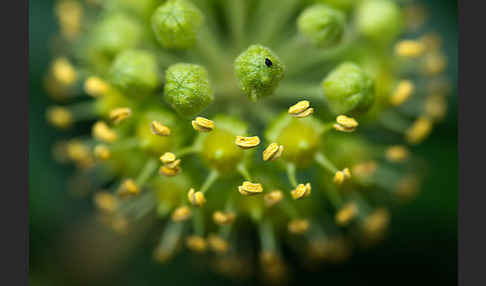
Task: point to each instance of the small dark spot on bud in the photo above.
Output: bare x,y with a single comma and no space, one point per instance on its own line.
268,62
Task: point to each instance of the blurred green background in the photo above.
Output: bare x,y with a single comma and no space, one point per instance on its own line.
421,248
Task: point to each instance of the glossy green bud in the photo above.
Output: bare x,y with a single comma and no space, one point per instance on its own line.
322,25
218,148
348,89
176,24
187,88
135,71
259,70
300,137
379,20
115,33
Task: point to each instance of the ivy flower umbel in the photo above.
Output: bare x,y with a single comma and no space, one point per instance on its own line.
196,122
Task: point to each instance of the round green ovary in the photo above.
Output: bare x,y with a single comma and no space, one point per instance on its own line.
220,152
300,142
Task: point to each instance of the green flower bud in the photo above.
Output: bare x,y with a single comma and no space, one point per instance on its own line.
379,20
348,89
259,70
300,137
115,33
176,24
135,71
187,88
345,5
322,25
218,148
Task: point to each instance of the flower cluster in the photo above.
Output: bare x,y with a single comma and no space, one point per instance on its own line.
248,127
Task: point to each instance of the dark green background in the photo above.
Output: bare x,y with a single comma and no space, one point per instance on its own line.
421,248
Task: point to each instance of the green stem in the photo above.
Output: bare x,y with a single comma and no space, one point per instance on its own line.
147,172
198,222
210,179
291,174
324,162
241,168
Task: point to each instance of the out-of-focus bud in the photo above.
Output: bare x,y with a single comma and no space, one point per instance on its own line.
379,20
322,25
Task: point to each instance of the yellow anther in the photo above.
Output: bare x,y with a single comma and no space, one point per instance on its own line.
432,42
102,132
248,188
95,86
159,129
272,198
196,199
397,153
298,226
77,151
59,117
181,213
301,191
345,124
168,171
435,106
106,202
402,92
419,130
117,115
202,124
223,218
364,169
409,49
342,176
346,214
69,14
247,142
119,224
407,187
162,255
102,152
272,152
64,72
218,244
129,188
174,165
196,243
434,63
377,222
168,157
268,258
301,109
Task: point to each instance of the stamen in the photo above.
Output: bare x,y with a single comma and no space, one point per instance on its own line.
247,142
342,176
272,198
346,214
129,188
223,218
407,187
168,242
345,124
169,172
301,109
248,188
167,158
118,115
159,129
95,86
298,226
434,63
102,132
64,72
102,152
397,153
435,106
365,169
59,117
409,49
272,152
181,213
419,130
197,199
403,91
376,223
218,244
106,202
301,191
196,243
202,124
